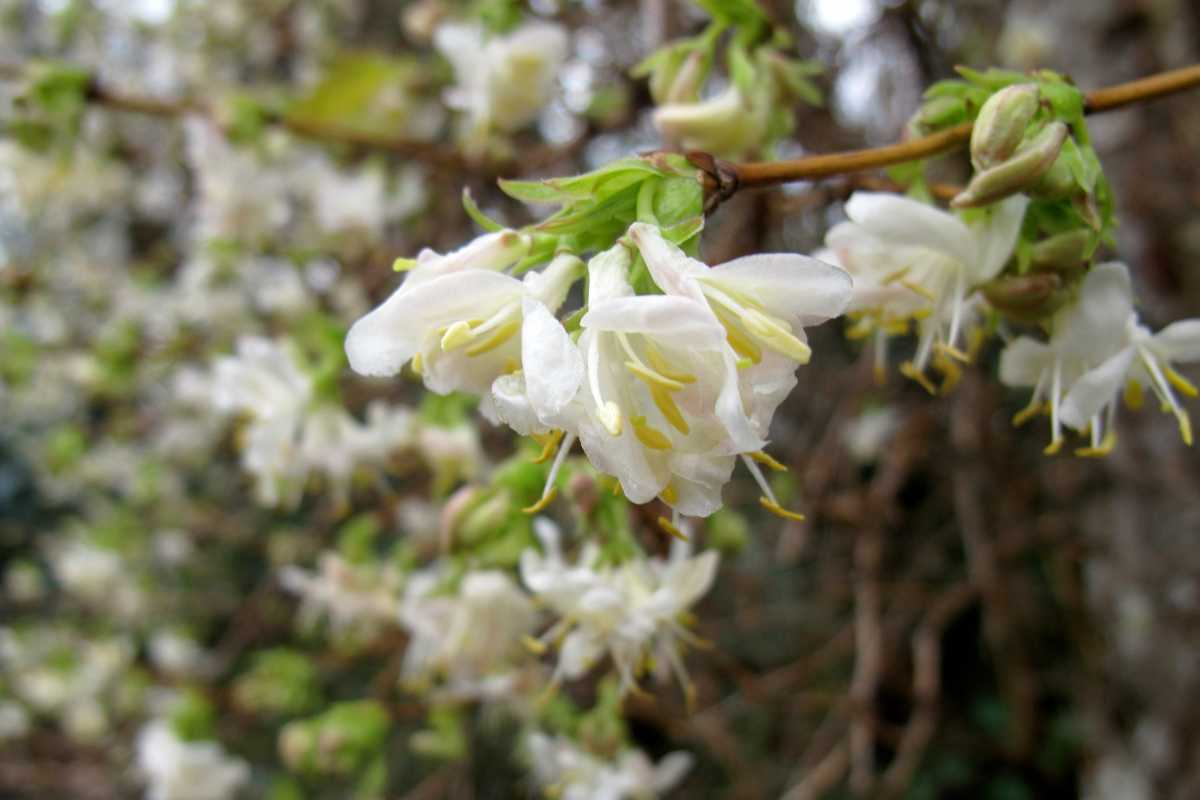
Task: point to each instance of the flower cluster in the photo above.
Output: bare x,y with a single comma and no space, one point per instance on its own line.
664,390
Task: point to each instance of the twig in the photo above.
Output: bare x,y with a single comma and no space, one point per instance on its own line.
726,178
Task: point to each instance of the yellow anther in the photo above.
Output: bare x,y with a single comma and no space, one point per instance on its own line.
666,404
549,443
1185,428
744,363
668,494
860,329
457,335
762,457
659,362
418,365
1104,448
650,436
951,373
920,314
952,352
652,378
777,335
1029,412
535,646
404,264
511,365
1179,382
909,370
1133,395
917,288
670,528
742,344
501,335
609,415
545,500
893,277
616,489
1054,446
779,510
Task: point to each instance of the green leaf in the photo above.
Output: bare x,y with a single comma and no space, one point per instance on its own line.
480,219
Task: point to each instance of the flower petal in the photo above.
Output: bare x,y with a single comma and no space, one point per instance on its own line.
800,289
672,269
684,321
996,237
1180,341
1095,389
552,363
381,342
905,222
1023,361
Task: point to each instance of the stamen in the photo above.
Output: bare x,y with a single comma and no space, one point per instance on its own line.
669,527
1056,439
917,288
652,378
779,510
777,334
535,646
762,457
1179,382
608,412
457,335
1134,397
860,329
909,370
669,495
501,335
1029,412
659,362
650,436
549,443
541,504
1098,450
666,404
741,344
1168,397
952,352
418,365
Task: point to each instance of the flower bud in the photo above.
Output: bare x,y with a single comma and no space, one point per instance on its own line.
1063,252
1026,297
1018,173
1001,124
685,81
1058,183
938,112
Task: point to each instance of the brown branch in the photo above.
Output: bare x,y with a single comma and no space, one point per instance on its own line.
728,177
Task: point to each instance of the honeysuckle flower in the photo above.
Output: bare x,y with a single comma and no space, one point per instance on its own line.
471,637
1097,349
629,611
180,770
911,261
504,80
358,599
763,303
729,124
650,389
562,766
459,325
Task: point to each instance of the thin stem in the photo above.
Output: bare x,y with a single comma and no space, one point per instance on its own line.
771,173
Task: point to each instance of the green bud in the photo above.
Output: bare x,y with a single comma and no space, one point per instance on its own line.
1018,173
1001,124
485,519
1063,252
939,112
1025,297
1058,183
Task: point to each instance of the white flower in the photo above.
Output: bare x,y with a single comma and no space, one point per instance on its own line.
179,770
561,765
458,316
290,436
359,599
472,636
729,124
1097,348
911,261
650,390
503,81
14,720
629,612
763,302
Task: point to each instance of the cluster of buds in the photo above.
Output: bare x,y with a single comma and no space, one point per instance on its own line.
752,110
